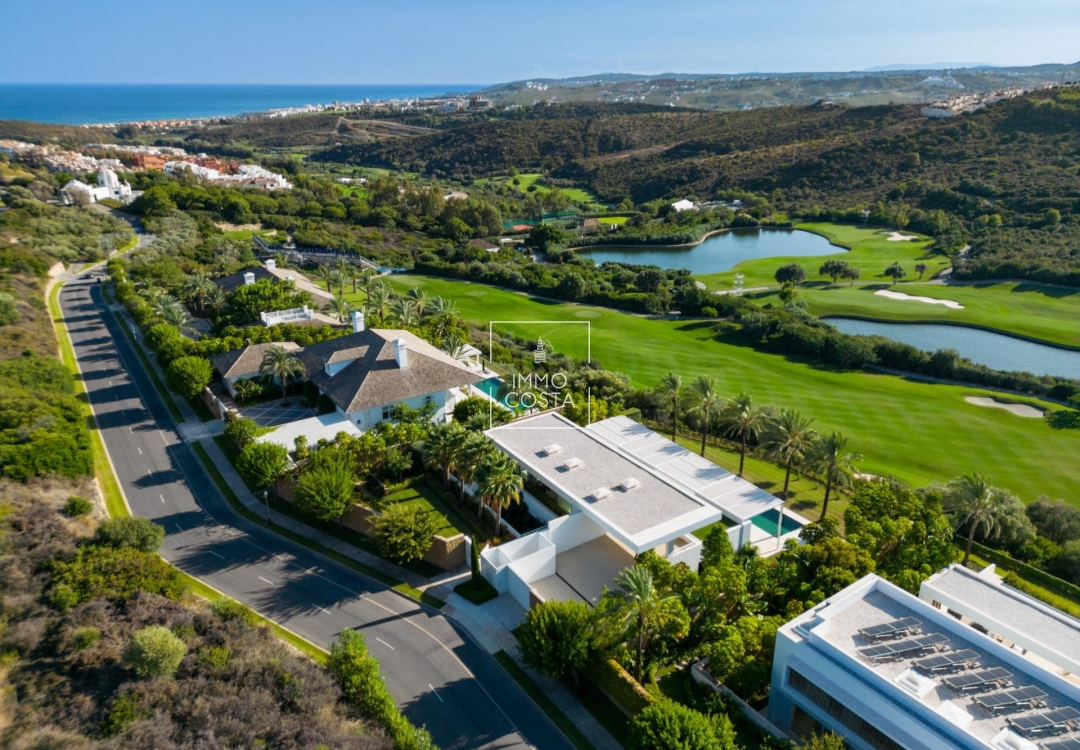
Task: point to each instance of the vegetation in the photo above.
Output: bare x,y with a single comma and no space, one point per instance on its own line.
260,464
188,376
557,638
155,651
405,532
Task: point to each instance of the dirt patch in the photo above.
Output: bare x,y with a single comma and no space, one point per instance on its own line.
1020,410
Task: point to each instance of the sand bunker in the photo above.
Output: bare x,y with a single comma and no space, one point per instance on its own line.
897,237
1020,410
952,305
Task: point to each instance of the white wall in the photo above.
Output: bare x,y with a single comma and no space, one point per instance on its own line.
572,531
688,553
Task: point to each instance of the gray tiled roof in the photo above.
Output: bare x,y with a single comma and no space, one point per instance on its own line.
234,280
374,378
246,361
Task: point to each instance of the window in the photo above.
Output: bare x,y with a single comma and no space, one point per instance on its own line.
861,728
388,411
429,400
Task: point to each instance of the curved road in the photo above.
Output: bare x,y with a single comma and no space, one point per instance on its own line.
438,675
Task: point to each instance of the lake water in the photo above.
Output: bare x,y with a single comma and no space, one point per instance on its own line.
81,104
994,350
720,252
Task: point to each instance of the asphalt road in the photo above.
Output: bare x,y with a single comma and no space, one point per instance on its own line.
439,676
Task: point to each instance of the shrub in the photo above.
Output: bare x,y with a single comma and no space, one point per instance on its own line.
109,573
63,598
159,334
137,533
557,637
213,658
467,408
154,651
326,486
240,432
260,464
404,532
667,725
230,609
123,710
84,638
77,506
189,375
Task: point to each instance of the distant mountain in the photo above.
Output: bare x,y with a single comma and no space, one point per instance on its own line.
929,66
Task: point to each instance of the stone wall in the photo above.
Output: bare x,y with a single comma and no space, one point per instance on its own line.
447,553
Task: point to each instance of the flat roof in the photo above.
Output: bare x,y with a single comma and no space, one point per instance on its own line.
1050,633
738,498
873,601
314,428
649,514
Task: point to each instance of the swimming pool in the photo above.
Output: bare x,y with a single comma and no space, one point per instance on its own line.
490,386
767,522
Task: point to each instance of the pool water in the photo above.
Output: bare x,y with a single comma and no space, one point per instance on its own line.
490,386
767,522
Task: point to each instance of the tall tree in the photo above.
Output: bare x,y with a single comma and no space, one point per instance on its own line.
704,401
790,438
325,273
829,457
339,307
499,484
740,419
972,502
644,608
442,446
177,316
471,453
196,288
326,485
671,386
282,365
420,300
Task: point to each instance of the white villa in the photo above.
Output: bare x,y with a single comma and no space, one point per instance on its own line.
683,205
108,186
624,490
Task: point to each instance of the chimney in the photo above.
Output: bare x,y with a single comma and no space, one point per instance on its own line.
357,321
249,278
401,353
271,264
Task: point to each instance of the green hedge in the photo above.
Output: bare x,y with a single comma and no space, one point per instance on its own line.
609,676
1044,579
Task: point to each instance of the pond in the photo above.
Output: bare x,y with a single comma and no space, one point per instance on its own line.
720,252
994,350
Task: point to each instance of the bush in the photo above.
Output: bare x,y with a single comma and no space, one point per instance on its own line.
63,598
326,485
260,464
109,573
230,610
404,532
154,651
240,432
160,334
213,658
467,408
84,638
189,375
137,533
668,725
77,506
557,637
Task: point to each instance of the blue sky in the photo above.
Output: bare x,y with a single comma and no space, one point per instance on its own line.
480,41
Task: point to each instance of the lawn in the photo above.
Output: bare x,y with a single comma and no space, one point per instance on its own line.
917,432
1026,309
535,179
420,494
616,220
870,251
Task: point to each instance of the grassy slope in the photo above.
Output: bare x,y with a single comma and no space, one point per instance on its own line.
1027,309
917,432
419,494
870,251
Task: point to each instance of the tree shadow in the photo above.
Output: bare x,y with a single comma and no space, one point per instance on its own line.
1048,291
1064,419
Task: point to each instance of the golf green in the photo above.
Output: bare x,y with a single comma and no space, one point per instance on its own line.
917,432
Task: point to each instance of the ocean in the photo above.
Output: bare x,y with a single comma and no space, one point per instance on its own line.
82,104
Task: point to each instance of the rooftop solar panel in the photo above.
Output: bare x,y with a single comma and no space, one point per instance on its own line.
950,661
894,629
912,646
1027,695
1054,721
979,680
1069,743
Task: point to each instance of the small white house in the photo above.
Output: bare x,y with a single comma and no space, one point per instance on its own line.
108,186
683,205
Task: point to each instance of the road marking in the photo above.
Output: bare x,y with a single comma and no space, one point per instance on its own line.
326,611
162,499
264,580
436,692
178,529
215,554
380,640
140,453
163,437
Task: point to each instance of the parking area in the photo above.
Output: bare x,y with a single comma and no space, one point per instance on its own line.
272,413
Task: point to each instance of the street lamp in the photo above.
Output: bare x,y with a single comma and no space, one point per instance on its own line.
266,502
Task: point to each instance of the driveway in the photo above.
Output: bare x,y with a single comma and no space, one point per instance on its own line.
272,413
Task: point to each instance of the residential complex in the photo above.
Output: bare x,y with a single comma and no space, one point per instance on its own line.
109,186
891,671
246,175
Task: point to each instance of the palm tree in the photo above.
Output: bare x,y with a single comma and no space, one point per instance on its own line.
325,274
378,301
644,606
830,459
369,280
471,453
790,438
740,419
149,291
216,298
177,315
419,298
442,447
973,502
455,346
704,401
339,307
281,260
281,365
671,387
197,287
164,302
353,274
499,484
405,313
441,306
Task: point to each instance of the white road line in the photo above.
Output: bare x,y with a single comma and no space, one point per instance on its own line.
178,529
140,453
162,499
215,554
436,692
265,581
326,611
163,437
380,640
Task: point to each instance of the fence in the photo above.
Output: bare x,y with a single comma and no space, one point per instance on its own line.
300,255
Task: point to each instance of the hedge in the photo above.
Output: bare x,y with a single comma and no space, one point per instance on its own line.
1044,579
609,676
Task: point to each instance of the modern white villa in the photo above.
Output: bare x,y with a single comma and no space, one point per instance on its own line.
108,186
891,671
623,490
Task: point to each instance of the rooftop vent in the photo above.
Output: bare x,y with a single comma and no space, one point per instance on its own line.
629,483
572,463
551,450
601,493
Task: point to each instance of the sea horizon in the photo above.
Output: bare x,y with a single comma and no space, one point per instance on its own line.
106,103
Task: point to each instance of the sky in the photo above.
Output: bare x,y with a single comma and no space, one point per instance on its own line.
484,42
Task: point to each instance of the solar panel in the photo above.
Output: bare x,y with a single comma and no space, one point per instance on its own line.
983,679
919,645
950,661
895,629
1027,695
1054,721
1069,743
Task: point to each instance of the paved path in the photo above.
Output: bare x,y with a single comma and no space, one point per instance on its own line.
439,676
